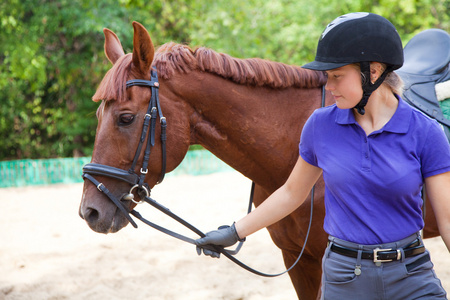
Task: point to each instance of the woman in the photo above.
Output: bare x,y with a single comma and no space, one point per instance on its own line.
375,153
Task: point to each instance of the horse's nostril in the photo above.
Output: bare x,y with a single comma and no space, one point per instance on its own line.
91,216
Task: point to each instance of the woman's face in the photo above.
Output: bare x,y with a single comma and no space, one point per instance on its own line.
344,83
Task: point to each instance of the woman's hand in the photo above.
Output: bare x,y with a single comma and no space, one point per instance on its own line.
225,236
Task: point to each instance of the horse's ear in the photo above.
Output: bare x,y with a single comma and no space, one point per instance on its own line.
143,49
113,47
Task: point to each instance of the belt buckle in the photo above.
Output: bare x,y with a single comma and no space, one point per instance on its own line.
375,255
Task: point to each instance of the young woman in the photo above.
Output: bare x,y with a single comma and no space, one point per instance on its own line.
375,153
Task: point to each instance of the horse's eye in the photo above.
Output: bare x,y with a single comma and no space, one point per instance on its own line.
126,119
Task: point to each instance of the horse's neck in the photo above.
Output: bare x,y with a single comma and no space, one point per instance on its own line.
253,129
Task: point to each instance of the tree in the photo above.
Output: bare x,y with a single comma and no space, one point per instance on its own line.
51,58
51,51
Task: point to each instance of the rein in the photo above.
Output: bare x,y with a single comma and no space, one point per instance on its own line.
137,180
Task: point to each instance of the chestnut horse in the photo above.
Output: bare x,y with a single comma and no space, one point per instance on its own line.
248,112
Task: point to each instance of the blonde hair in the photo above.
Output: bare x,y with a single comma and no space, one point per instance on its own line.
394,82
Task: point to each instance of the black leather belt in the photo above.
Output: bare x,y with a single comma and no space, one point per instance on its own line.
381,255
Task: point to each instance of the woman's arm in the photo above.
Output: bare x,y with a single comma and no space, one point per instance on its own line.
283,201
438,191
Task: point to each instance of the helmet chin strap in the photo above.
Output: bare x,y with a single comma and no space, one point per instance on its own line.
367,85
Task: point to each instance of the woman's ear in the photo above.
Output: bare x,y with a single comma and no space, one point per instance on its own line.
376,69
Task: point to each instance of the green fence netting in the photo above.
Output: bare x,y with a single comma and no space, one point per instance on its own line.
25,172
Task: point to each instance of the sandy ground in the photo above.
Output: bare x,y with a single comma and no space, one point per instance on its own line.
48,252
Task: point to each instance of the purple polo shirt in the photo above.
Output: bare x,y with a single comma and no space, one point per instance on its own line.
373,183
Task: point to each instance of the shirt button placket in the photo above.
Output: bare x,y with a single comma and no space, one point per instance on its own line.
366,159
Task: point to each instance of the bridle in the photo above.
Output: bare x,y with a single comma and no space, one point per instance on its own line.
137,181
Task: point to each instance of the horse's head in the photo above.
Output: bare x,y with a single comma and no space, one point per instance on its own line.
128,153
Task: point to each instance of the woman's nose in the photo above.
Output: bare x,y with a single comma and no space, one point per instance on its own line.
329,86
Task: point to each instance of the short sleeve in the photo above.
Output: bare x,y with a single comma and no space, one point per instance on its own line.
306,146
435,155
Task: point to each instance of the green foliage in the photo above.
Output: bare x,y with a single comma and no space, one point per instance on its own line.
51,51
51,59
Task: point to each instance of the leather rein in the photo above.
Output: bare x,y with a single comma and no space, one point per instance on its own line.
137,181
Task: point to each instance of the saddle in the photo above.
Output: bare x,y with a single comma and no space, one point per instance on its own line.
426,73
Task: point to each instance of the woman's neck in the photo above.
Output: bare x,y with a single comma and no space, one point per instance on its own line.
380,108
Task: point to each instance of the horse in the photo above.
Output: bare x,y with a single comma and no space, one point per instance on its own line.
247,112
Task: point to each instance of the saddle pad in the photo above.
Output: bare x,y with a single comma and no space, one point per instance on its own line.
443,90
445,106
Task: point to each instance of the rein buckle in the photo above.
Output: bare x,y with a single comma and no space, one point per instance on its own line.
99,187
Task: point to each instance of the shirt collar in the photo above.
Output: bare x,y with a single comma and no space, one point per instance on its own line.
399,123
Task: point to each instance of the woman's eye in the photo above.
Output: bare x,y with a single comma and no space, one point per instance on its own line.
126,119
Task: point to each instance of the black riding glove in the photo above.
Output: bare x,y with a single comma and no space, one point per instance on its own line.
225,236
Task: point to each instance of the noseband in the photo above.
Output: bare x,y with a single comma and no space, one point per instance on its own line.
137,181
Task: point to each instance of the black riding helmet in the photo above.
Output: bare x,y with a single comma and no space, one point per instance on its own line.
359,38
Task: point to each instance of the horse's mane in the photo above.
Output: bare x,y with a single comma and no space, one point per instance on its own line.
113,85
172,57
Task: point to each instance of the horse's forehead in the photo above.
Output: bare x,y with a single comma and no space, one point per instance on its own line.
106,107
137,98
